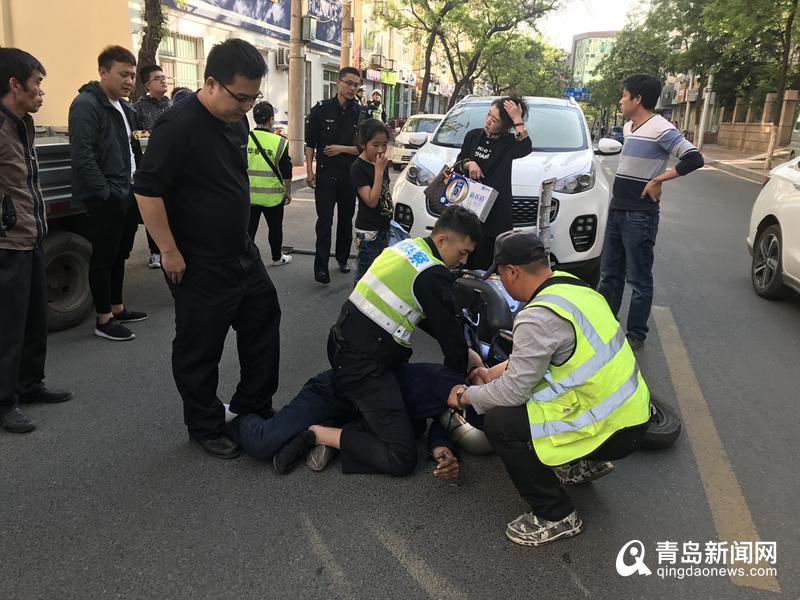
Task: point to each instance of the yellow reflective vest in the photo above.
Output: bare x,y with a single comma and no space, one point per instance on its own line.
598,391
385,293
266,188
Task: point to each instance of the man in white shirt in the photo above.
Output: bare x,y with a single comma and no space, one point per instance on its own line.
103,164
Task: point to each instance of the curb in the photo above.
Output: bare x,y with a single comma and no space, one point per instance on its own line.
743,172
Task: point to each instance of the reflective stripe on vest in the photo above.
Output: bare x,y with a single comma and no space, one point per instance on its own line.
385,293
266,188
596,392
604,352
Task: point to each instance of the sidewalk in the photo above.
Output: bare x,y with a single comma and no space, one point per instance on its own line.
298,173
738,162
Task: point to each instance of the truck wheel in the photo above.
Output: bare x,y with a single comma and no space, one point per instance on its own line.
69,301
665,426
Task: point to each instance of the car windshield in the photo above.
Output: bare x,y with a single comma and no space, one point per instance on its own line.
552,128
616,129
420,125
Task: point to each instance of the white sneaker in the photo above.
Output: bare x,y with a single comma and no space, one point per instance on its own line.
154,262
285,259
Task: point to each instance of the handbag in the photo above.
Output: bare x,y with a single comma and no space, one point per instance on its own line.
436,188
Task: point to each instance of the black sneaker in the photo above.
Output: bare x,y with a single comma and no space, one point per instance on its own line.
322,277
344,267
635,342
130,316
113,331
293,452
220,446
16,422
40,393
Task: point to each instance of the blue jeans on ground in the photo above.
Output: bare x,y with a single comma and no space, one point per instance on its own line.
423,386
628,255
368,250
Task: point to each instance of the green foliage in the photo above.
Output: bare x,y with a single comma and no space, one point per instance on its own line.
526,66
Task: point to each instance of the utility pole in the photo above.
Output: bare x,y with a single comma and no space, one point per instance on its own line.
689,83
296,92
704,114
347,34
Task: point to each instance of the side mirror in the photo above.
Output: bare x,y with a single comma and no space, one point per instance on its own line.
608,146
418,138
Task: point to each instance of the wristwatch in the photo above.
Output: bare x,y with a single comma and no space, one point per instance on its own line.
460,393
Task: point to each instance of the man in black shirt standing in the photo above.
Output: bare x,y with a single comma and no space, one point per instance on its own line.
331,129
193,192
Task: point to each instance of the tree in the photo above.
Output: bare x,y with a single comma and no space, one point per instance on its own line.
425,18
153,30
477,32
528,66
767,37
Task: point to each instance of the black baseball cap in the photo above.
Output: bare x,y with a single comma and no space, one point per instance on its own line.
516,248
263,112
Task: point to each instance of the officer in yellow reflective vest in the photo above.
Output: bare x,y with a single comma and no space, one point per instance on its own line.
569,399
269,168
408,286
375,107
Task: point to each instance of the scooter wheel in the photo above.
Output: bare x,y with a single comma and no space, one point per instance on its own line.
665,426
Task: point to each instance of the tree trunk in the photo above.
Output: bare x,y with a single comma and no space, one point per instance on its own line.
152,31
426,79
786,51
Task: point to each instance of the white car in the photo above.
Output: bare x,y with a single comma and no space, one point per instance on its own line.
562,148
416,131
774,235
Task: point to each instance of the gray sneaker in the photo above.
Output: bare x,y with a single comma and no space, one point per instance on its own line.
530,530
583,471
319,457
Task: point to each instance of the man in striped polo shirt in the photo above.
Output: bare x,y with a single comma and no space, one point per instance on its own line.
633,214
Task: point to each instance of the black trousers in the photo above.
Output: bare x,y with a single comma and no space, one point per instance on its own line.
424,387
113,229
483,255
509,433
334,190
211,299
383,440
151,243
273,215
23,322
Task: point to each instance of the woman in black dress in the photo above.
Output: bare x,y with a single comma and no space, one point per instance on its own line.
486,156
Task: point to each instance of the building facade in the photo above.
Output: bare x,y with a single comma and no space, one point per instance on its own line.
588,49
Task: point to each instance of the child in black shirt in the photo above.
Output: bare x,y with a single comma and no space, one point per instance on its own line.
370,179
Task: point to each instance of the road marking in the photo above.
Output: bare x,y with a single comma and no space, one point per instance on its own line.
729,509
341,585
711,168
436,586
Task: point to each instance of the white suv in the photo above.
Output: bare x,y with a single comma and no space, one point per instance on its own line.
562,149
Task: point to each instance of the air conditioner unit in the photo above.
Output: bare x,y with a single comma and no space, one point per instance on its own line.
282,58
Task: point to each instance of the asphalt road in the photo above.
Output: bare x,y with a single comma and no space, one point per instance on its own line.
107,499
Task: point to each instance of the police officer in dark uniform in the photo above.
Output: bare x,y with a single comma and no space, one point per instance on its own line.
331,129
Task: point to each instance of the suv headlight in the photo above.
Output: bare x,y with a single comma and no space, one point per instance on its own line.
577,182
419,175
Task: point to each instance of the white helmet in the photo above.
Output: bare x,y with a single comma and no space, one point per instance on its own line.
470,438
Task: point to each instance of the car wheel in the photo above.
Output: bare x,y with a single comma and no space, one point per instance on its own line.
766,271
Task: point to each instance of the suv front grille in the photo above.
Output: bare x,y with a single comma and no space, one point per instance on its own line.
525,210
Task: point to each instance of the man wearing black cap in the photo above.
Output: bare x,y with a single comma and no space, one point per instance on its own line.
570,396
